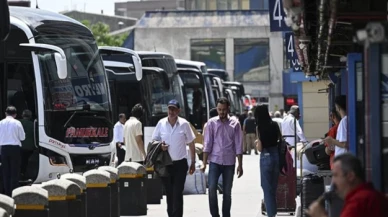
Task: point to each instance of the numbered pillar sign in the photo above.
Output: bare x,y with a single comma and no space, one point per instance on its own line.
277,16
290,46
291,54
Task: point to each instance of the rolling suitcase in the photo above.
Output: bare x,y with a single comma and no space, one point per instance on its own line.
312,188
287,187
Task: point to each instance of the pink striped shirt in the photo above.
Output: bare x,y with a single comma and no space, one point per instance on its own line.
223,140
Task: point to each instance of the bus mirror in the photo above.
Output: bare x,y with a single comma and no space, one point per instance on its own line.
5,25
59,56
138,68
61,66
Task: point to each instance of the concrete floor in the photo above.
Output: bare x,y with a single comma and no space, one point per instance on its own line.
246,197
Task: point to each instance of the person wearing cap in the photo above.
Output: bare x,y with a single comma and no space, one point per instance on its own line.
175,133
11,135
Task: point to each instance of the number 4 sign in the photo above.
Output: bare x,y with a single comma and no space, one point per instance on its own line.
277,16
290,46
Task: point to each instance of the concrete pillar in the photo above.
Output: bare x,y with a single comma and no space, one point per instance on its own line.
229,57
276,100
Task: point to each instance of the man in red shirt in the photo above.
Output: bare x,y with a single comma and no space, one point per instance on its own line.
360,198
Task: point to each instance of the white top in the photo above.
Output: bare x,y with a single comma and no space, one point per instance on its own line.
288,130
177,137
279,121
133,128
11,132
342,135
118,134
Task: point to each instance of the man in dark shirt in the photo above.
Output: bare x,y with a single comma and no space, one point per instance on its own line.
249,129
28,145
360,198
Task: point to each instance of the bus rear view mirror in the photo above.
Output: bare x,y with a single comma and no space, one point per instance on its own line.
138,68
59,56
5,25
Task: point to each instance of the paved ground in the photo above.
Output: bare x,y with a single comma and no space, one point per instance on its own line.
246,198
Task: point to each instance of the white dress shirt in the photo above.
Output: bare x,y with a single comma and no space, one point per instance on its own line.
11,132
118,132
289,130
177,136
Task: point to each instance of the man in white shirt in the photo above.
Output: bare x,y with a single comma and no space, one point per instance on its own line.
11,135
288,129
133,136
278,119
118,138
288,126
340,142
175,132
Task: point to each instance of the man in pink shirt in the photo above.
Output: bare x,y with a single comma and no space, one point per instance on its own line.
223,142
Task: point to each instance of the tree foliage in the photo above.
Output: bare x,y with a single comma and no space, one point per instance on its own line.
101,34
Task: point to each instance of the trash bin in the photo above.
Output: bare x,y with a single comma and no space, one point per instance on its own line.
98,193
81,182
62,198
3,213
133,193
114,190
7,204
31,201
154,187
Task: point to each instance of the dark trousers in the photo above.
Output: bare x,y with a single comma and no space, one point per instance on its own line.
25,156
10,164
174,185
120,154
227,172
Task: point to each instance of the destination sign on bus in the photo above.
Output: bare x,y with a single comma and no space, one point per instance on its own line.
88,132
66,93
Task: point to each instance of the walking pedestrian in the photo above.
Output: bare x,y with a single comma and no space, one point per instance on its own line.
223,142
118,137
249,134
175,133
11,135
133,133
268,135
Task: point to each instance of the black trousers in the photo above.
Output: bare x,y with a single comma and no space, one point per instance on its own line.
25,156
10,164
120,154
174,185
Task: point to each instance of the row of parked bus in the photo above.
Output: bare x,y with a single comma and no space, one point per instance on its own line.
51,65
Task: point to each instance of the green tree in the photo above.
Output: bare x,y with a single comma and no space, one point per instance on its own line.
101,34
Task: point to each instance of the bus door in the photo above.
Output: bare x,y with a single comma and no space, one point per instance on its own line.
195,97
156,93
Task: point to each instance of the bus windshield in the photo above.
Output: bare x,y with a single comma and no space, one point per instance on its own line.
160,97
71,103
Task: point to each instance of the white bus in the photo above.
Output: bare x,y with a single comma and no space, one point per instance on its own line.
50,65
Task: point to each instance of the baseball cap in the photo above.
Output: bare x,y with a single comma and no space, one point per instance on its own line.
174,103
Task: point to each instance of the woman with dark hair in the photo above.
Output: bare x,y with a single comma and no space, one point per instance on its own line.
335,118
268,136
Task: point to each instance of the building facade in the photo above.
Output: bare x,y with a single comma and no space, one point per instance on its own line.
138,8
226,4
238,41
